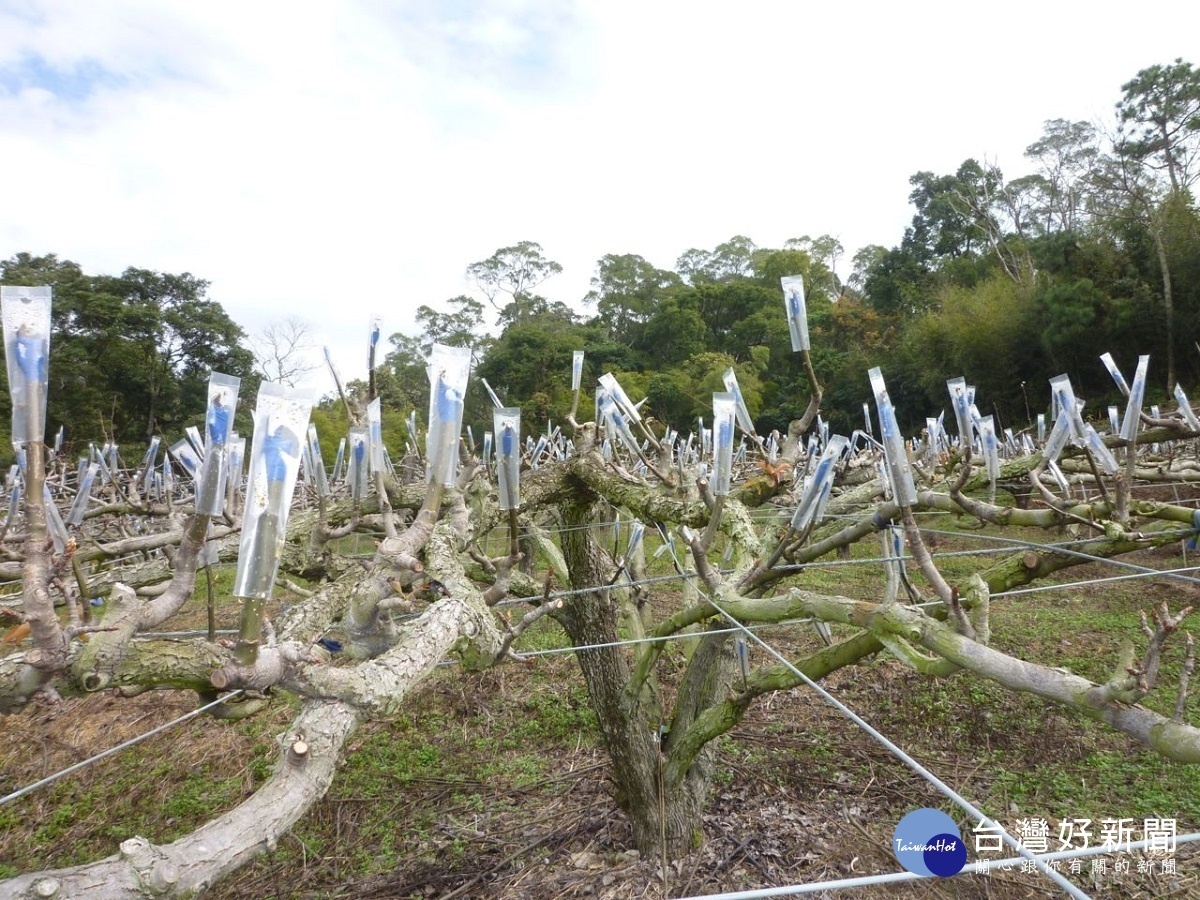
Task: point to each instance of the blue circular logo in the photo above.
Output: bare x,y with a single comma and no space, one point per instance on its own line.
927,842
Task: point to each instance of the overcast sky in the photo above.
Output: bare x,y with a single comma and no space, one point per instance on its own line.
341,159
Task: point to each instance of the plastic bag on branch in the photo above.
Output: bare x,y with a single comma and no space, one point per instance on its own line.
899,470
218,425
185,454
1103,456
506,425
358,466
576,371
797,317
991,450
724,415
1133,410
743,414
619,396
615,422
80,504
1064,399
26,315
1117,377
320,479
1185,409
448,368
1053,446
280,419
818,487
962,409
375,436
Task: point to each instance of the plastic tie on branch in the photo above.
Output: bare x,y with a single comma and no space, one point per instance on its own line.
1110,364
867,419
1133,409
1041,429
1185,409
26,316
797,314
898,469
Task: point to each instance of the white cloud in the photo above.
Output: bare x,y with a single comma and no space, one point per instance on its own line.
335,160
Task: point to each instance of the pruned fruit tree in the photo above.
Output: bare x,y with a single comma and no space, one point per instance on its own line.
736,515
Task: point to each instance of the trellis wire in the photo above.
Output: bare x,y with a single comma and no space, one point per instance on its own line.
896,877
900,754
49,779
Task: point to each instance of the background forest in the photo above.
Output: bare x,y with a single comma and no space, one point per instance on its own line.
1008,281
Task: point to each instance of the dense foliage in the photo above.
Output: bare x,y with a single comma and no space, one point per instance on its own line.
131,352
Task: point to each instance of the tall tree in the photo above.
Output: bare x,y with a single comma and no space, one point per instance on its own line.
132,352
1160,120
282,350
513,271
626,289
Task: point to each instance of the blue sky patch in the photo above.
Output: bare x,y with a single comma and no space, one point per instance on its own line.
73,84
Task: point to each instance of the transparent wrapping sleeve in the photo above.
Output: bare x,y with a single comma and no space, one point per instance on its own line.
26,315
1185,409
743,414
280,424
991,449
375,435
797,315
506,425
1111,365
1133,410
358,465
962,409
819,485
218,428
609,380
318,464
448,369
724,416
576,370
185,454
1064,399
898,467
79,506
